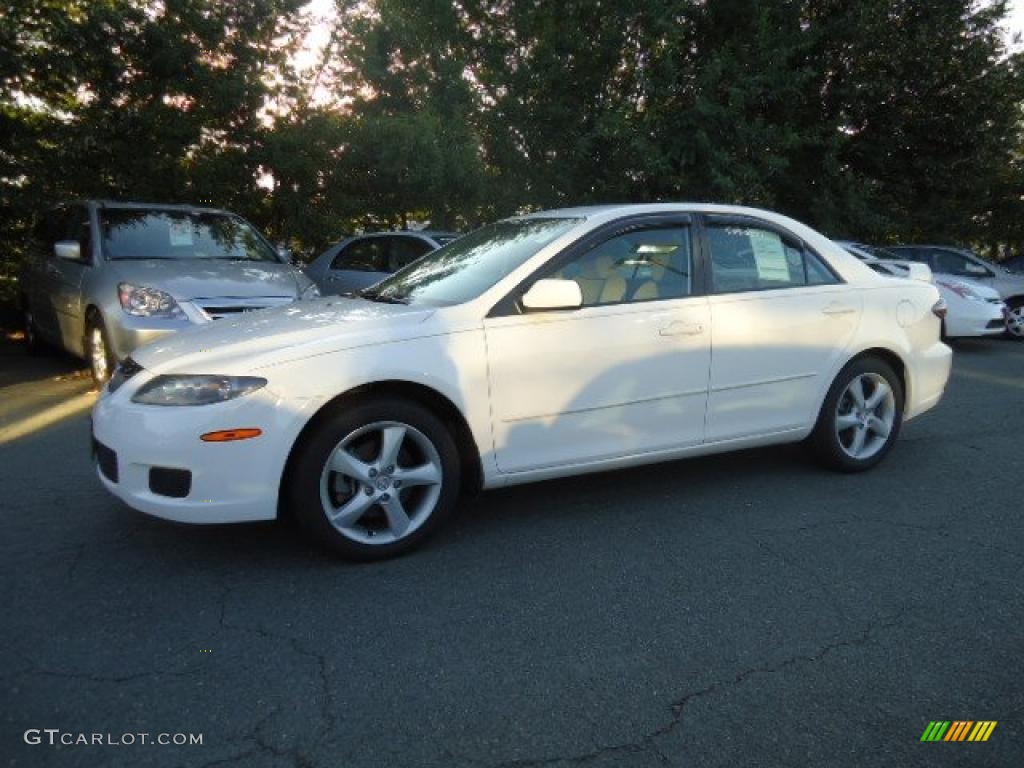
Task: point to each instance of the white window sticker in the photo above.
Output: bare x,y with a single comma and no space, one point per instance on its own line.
769,255
181,233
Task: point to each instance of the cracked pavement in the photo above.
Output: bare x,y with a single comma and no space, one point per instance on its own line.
746,609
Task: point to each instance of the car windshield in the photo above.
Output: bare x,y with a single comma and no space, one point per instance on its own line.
465,268
882,253
130,233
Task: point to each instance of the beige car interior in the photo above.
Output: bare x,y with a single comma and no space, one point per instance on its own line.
620,271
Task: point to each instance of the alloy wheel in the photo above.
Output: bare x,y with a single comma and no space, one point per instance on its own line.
381,482
98,355
1015,321
865,415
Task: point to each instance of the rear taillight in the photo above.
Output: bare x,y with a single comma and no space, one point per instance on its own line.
940,308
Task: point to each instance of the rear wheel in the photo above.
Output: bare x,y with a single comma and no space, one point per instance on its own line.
97,351
375,479
861,416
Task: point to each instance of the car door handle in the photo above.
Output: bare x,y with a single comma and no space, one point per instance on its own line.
836,309
681,328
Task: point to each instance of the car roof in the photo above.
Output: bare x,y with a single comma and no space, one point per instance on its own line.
419,232
624,209
132,205
946,247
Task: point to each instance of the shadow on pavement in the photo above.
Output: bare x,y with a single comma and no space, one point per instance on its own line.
18,367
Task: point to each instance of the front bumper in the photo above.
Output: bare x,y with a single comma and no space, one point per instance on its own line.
227,482
976,318
126,333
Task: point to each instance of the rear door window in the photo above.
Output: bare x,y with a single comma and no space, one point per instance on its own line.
749,258
368,254
405,250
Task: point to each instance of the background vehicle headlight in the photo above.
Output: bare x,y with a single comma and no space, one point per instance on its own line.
196,390
961,289
311,292
143,301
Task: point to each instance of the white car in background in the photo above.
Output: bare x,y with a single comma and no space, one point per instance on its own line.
973,309
540,346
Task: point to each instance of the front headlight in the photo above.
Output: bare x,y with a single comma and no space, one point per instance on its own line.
311,292
196,390
963,290
143,301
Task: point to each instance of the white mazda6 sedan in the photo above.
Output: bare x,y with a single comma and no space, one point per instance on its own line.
540,346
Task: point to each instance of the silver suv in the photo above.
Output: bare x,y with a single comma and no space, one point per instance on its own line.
107,277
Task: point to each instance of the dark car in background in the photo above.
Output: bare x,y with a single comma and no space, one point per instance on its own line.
105,277
359,261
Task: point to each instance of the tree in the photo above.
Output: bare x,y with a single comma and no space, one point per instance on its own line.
132,99
874,119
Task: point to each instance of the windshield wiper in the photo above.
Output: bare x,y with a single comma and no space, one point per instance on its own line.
380,298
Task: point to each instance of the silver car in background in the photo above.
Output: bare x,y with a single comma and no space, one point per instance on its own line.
961,262
359,261
107,277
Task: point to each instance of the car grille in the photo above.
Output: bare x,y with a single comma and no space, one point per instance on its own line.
106,460
125,371
217,309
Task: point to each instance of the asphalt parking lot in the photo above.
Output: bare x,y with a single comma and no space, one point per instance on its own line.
747,609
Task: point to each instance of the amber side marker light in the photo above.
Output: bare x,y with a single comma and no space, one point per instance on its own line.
228,435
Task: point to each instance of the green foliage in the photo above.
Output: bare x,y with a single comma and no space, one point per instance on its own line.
880,120
133,99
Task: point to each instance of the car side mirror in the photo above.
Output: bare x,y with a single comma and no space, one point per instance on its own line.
285,253
918,271
552,293
976,270
68,249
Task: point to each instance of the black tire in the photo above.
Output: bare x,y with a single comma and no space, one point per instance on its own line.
309,478
34,346
829,444
100,375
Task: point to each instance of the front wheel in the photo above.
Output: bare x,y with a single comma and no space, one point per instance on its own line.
1015,319
98,354
861,416
375,478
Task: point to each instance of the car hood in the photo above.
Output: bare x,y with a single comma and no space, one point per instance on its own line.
256,340
975,285
187,279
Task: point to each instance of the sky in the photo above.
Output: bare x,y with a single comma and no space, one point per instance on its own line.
1015,21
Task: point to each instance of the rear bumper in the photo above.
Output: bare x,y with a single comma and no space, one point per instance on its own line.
927,374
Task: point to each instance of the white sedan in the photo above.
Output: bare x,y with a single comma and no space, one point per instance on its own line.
540,346
972,309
